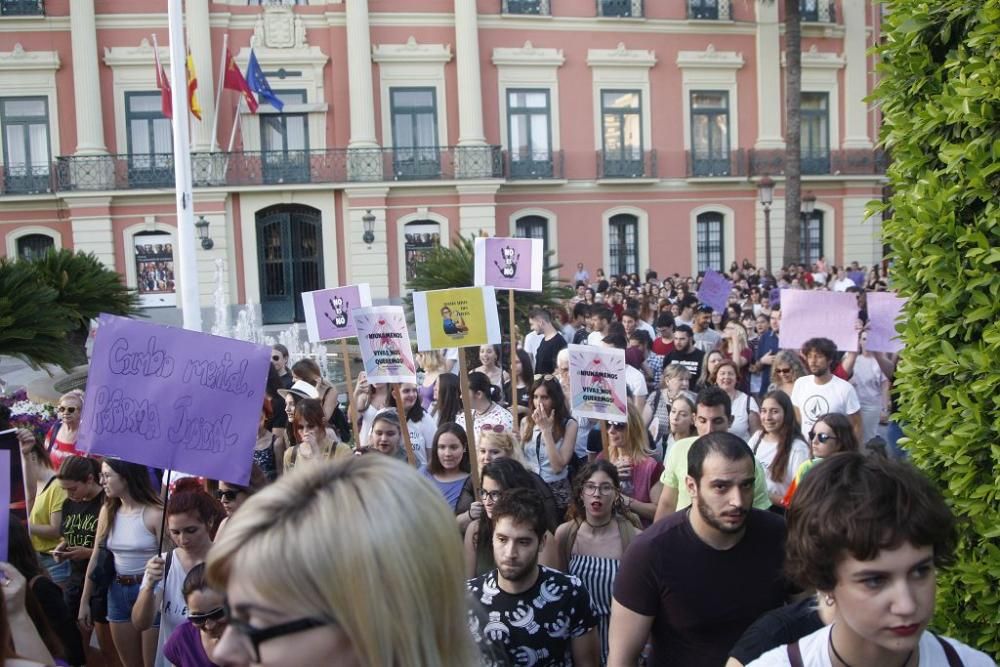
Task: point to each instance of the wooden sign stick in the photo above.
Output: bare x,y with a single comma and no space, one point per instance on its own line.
352,411
470,424
403,427
513,364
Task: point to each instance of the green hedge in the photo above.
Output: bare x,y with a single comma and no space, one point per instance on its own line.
939,91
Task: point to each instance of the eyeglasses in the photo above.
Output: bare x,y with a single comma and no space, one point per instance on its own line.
617,426
592,489
276,358
200,619
782,371
68,409
228,496
491,496
496,428
545,378
252,637
821,437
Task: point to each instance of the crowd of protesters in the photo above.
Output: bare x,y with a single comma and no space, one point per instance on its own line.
753,508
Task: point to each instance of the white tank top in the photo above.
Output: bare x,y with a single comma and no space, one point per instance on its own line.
131,543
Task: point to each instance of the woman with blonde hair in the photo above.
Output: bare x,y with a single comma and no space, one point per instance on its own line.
785,370
337,544
432,363
639,473
60,441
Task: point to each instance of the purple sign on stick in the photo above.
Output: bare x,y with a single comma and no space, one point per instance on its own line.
884,309
4,502
174,399
328,311
715,290
809,314
509,263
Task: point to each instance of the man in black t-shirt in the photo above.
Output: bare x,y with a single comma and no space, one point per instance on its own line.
552,341
537,615
685,353
697,579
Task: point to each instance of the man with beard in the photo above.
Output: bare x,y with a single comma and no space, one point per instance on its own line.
706,338
537,615
684,352
823,392
697,580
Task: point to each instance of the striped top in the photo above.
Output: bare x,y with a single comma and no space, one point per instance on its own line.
598,577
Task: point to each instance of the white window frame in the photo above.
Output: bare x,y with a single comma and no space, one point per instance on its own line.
622,69
421,215
710,70
532,69
20,232
728,234
642,238
551,227
412,65
32,74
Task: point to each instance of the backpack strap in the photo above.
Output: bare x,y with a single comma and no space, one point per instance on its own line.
950,653
794,654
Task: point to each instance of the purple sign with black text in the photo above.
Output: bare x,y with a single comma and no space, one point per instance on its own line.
509,263
174,399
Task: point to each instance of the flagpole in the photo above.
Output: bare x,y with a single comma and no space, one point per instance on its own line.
187,259
239,105
218,92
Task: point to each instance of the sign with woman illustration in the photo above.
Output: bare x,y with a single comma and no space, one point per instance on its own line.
461,317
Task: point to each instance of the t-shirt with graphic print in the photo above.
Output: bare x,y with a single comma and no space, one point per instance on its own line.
536,627
79,525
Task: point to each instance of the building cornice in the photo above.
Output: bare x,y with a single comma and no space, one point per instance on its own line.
709,59
411,52
528,55
19,59
620,57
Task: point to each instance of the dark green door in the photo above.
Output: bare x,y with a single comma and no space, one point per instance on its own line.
290,260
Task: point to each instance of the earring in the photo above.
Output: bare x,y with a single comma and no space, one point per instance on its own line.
829,600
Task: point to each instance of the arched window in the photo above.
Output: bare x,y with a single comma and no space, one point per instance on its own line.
811,238
623,243
710,241
33,246
419,238
533,227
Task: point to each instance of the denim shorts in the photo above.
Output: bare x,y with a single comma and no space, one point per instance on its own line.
121,599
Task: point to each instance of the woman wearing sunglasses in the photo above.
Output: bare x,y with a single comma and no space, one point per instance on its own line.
590,545
638,471
831,434
786,368
192,516
318,567
60,441
232,496
193,642
499,476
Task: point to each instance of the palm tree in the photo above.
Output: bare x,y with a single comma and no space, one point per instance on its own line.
33,324
793,136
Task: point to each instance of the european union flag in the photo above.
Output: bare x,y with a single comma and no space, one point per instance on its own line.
258,83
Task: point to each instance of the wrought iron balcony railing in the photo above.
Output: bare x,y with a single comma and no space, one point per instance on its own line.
850,162
527,7
711,10
719,164
25,179
533,165
22,8
626,164
124,172
621,8
817,11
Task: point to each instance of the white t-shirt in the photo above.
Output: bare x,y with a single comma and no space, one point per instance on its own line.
707,340
815,400
422,437
595,338
647,327
741,415
531,342
816,654
843,285
867,382
497,415
174,613
635,381
765,451
451,354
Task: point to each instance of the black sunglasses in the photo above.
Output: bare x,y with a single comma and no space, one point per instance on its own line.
621,426
227,495
822,437
200,619
258,636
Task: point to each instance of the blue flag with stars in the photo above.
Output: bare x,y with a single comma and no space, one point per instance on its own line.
258,84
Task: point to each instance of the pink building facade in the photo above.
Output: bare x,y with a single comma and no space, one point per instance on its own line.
626,134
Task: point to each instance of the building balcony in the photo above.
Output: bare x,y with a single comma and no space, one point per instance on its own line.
527,7
709,10
718,165
620,8
22,8
626,165
817,11
533,165
852,162
25,179
333,166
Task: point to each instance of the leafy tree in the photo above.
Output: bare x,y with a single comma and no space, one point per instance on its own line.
940,97
33,323
86,288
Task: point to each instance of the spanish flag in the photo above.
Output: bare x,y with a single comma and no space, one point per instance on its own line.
193,88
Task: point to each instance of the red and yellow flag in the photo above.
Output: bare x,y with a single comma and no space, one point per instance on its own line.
192,81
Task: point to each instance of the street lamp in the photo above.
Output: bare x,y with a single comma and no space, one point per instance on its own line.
808,204
765,188
202,228
368,220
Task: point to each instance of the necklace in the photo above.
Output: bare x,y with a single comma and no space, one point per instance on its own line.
595,526
833,649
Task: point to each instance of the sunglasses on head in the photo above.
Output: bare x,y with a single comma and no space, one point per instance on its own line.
545,378
704,308
821,437
200,619
68,409
496,428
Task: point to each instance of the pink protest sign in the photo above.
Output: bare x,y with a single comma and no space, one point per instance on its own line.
714,290
509,263
328,311
174,399
597,383
884,308
385,344
809,314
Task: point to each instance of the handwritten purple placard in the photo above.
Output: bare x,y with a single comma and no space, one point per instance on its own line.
4,502
884,309
328,311
715,290
509,263
809,314
174,399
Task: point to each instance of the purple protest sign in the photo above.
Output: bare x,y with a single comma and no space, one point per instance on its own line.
4,502
884,309
328,311
509,263
715,290
174,399
809,314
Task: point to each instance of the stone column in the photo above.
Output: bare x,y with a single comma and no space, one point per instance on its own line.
359,76
90,221
768,48
86,80
855,78
473,156
199,37
477,209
